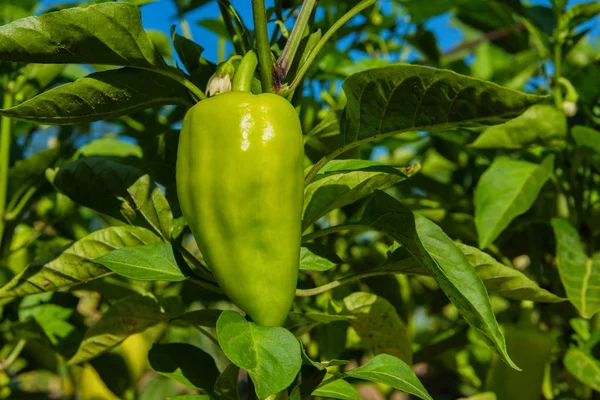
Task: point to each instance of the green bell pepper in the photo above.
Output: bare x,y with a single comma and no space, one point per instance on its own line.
240,186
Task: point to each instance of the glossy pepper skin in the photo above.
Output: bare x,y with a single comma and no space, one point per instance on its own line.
240,186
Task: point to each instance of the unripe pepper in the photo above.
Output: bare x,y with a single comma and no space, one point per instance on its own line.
240,186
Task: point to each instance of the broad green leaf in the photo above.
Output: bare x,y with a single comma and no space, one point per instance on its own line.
541,124
338,389
152,262
109,33
185,363
586,137
75,265
109,147
579,273
51,315
343,182
316,257
226,386
130,315
153,205
190,397
583,366
505,281
189,52
101,95
499,279
96,182
391,371
389,100
271,355
379,326
70,4
430,246
507,189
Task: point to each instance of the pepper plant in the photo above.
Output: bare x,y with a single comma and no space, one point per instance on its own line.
335,208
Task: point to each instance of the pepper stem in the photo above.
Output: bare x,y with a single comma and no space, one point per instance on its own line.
263,45
242,80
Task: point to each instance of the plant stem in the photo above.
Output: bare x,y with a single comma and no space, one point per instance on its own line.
237,30
291,47
333,284
206,285
208,335
558,98
5,139
313,54
14,211
185,28
14,354
262,44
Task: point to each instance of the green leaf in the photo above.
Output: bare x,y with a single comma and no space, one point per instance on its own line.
338,389
109,147
101,95
541,124
190,397
389,100
316,257
391,371
443,259
506,281
586,137
583,366
507,189
499,279
51,315
378,325
109,33
271,355
153,205
226,387
579,273
189,52
184,363
74,265
96,182
130,315
343,182
152,262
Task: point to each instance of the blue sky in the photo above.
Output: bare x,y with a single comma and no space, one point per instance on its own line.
160,15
